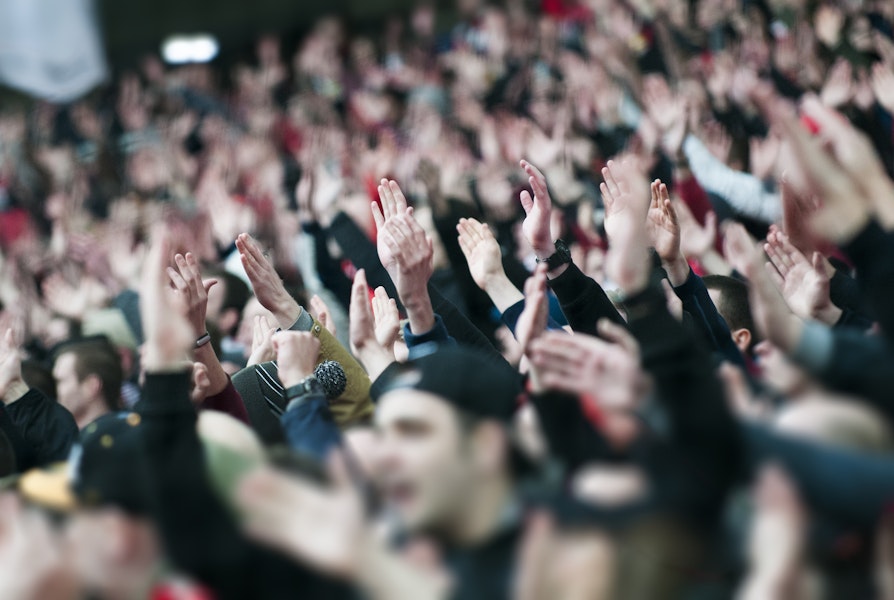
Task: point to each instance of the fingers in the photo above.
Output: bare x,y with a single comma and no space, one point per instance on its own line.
400,201
360,320
386,199
818,262
381,303
527,201
537,182
322,313
247,246
611,185
666,204
378,217
393,200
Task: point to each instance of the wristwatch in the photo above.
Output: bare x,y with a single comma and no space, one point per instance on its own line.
562,256
308,385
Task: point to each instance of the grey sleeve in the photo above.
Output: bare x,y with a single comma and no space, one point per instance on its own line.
743,191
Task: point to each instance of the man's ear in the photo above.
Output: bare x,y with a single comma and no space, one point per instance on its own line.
491,447
92,385
742,339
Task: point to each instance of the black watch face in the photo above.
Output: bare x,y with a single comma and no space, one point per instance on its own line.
562,249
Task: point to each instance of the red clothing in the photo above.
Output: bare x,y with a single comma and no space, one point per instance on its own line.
227,401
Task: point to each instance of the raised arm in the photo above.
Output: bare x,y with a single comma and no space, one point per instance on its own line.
583,300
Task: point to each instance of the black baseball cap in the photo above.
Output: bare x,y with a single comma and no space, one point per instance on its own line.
467,378
106,467
472,381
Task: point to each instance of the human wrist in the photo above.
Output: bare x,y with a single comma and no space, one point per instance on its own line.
294,375
677,270
374,358
14,391
216,374
830,314
160,361
502,292
286,311
420,313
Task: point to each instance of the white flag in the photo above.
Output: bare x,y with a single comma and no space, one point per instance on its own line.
50,48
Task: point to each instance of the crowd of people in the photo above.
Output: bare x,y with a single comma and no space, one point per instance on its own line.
587,299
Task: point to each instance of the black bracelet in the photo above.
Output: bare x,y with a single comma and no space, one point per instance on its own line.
204,339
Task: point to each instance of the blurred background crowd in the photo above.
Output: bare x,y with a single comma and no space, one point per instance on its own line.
339,250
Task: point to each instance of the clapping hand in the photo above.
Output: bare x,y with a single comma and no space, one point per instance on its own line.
266,283
804,283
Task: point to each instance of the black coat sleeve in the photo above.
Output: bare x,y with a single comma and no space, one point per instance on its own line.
362,252
47,428
702,432
23,456
871,250
583,301
200,537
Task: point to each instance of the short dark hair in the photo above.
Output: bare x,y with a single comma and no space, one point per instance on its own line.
734,305
38,376
236,293
98,357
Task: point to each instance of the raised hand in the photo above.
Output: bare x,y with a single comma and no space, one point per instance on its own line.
537,212
668,112
696,240
664,231
187,280
321,312
322,526
296,355
532,321
262,341
411,252
624,193
266,283
772,315
72,301
481,250
839,86
393,203
804,283
365,343
854,152
386,318
845,207
170,337
586,365
201,384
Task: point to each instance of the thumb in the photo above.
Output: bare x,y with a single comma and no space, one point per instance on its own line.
209,283
818,262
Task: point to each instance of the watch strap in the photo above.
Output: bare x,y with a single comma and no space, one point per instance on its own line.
203,339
